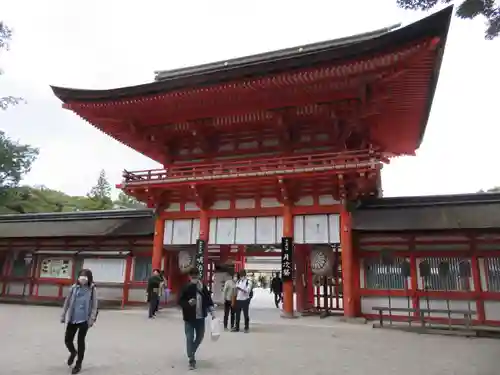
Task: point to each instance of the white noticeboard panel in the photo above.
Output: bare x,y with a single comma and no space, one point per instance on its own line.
106,270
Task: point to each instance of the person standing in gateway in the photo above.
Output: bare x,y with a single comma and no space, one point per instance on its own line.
153,293
277,289
196,302
79,313
244,295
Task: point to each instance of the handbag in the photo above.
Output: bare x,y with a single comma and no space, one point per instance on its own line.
215,329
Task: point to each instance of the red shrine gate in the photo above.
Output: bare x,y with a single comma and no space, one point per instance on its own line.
275,148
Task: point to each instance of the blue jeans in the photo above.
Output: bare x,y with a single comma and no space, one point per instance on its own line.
195,331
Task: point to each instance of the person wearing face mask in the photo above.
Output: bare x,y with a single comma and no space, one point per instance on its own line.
230,300
196,302
80,311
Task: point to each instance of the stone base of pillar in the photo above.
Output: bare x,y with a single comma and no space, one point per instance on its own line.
286,315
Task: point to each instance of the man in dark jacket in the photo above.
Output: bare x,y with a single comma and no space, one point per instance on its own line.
153,292
196,302
277,289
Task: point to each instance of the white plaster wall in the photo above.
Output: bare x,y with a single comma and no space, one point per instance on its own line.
492,310
16,289
137,294
367,304
110,293
46,290
454,305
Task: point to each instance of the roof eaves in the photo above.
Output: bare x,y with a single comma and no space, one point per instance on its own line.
78,215
272,56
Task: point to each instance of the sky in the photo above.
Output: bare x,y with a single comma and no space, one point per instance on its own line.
98,44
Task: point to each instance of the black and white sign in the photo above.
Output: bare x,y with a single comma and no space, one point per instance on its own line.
287,258
200,254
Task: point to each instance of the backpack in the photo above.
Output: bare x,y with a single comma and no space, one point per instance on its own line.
250,295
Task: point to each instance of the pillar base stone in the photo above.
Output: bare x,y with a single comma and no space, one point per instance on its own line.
287,315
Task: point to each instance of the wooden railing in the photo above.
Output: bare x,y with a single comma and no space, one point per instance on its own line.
339,162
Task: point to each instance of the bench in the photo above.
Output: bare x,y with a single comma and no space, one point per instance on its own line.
467,314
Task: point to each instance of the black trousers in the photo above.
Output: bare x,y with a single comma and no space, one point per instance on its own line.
228,311
242,307
277,299
154,303
69,337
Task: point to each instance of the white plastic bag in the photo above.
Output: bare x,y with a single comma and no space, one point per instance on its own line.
215,329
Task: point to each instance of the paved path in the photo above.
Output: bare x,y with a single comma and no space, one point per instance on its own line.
126,343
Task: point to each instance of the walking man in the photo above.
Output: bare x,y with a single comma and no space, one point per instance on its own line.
243,296
230,300
153,292
277,289
196,302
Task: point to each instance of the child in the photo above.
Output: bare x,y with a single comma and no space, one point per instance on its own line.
79,313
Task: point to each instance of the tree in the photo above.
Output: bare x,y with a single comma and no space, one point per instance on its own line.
126,201
100,194
16,160
468,9
5,36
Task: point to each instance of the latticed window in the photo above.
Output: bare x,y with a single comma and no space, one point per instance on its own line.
20,268
142,268
492,270
384,276
445,274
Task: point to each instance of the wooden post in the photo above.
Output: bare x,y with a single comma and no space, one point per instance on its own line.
476,279
126,282
348,264
287,285
158,243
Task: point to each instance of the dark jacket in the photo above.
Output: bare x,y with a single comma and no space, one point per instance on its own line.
188,292
277,285
153,284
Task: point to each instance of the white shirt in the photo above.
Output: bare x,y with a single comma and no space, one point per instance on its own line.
246,285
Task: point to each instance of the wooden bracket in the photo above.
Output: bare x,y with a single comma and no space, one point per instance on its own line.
202,196
287,191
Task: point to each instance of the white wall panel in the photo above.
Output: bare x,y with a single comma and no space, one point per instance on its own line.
316,229
266,230
334,228
245,230
226,231
181,232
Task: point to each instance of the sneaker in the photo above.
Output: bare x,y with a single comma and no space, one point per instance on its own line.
71,359
76,369
246,330
192,364
234,329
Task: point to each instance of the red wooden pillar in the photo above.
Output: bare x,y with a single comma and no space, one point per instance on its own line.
225,250
348,263
126,282
204,235
287,285
413,276
158,243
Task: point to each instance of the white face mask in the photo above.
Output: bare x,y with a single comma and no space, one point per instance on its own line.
194,280
83,280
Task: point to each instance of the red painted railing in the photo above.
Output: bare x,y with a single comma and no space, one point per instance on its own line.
336,162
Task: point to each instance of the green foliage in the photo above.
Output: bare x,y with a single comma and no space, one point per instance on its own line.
126,201
5,36
495,189
468,9
16,160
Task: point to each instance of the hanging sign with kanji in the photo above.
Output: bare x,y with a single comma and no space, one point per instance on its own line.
200,253
286,258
